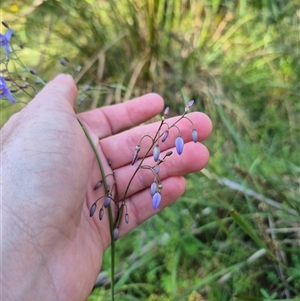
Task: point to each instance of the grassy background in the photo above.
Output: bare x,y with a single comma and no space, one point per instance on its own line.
234,235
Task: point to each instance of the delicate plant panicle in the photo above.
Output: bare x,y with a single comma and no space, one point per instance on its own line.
156,187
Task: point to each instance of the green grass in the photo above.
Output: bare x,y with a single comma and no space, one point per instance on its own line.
234,235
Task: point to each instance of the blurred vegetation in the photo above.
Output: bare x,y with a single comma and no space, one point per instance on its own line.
235,234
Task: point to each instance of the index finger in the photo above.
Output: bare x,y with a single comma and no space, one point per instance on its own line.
112,119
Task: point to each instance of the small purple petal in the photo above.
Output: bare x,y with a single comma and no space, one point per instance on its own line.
9,34
153,188
165,136
195,135
93,209
156,153
4,91
156,200
179,143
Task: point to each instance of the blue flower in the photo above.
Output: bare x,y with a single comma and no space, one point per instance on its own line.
4,91
156,200
5,39
179,143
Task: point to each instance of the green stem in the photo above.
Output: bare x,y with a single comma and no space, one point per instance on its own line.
109,209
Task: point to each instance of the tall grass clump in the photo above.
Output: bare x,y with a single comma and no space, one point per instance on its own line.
234,235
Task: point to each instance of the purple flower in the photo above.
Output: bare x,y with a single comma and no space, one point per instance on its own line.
156,200
156,153
195,135
4,91
4,40
179,143
165,136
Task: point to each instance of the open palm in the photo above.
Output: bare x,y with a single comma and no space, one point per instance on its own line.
50,172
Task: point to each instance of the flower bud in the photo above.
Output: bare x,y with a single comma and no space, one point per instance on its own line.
64,61
107,201
136,153
169,153
165,136
191,102
5,24
156,169
195,135
126,218
156,153
179,144
101,214
153,188
116,233
156,200
166,111
93,209
98,185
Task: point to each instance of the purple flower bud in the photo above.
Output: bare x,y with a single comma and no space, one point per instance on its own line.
126,218
165,136
64,61
156,169
5,24
107,201
169,153
166,111
191,102
156,153
179,143
98,185
116,233
156,200
195,135
32,71
136,153
101,214
93,209
153,188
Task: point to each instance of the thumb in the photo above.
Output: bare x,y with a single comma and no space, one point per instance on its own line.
62,88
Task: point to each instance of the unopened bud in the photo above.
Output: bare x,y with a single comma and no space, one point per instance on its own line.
93,209
116,233
98,185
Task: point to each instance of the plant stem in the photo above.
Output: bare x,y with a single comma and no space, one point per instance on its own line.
109,210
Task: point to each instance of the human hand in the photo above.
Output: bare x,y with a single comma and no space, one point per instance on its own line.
51,248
